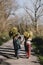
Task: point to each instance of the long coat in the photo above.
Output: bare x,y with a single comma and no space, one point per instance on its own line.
16,44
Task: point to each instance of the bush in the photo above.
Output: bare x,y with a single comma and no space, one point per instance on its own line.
4,38
1,42
41,59
38,42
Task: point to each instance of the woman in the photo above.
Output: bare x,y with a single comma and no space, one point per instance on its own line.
27,44
16,43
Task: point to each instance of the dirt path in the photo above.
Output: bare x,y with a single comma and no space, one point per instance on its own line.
33,60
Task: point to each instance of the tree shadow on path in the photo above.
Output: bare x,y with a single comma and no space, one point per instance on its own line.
2,62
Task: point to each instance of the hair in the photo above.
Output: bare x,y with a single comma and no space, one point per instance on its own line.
16,35
19,37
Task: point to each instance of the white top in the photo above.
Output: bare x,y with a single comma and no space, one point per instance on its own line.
29,41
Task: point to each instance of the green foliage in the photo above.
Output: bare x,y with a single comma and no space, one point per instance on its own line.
1,42
4,37
38,45
38,42
41,59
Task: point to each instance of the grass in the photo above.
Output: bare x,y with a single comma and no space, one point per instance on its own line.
41,59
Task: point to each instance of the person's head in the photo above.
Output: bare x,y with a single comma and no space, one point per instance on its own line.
19,37
15,36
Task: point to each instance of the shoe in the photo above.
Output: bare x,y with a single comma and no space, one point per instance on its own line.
27,57
14,55
17,57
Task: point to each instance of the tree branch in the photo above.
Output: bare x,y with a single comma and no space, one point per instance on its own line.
39,6
30,15
39,16
29,9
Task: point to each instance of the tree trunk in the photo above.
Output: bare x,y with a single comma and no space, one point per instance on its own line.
36,27
36,24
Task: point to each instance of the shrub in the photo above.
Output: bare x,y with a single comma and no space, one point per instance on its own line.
41,59
4,38
1,42
38,42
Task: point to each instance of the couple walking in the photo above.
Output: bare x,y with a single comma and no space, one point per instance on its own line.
17,42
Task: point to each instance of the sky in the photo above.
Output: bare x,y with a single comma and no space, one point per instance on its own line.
22,3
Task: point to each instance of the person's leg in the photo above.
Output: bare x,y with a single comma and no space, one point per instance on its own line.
17,53
29,51
25,47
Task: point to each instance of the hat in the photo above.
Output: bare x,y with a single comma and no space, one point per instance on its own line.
26,34
14,30
15,34
30,34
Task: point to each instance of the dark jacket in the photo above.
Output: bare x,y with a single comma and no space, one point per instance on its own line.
16,44
25,45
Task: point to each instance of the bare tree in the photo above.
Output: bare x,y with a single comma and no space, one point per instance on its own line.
4,5
5,10
38,12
